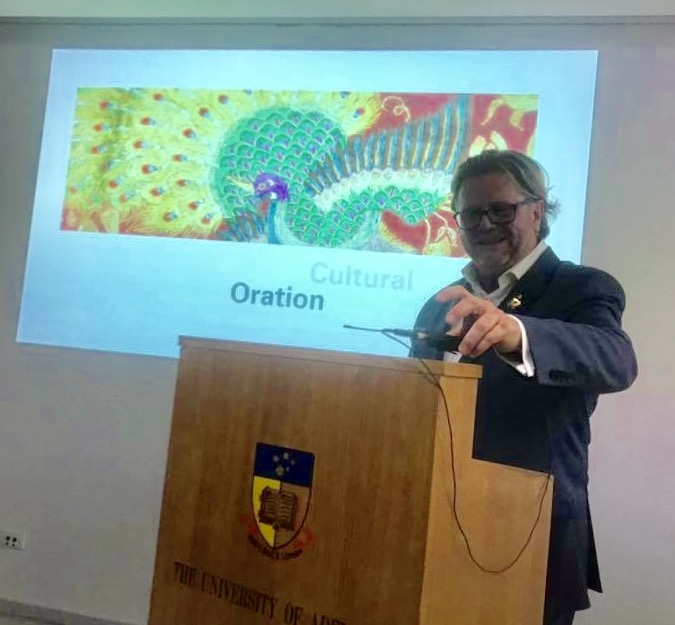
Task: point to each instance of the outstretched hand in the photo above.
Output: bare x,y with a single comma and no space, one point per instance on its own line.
490,326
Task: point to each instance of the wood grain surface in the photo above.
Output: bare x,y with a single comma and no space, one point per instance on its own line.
379,544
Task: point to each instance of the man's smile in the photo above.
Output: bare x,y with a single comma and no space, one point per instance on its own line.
490,240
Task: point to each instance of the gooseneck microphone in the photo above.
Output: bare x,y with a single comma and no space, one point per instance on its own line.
438,340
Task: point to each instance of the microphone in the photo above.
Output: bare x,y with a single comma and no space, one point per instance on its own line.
438,340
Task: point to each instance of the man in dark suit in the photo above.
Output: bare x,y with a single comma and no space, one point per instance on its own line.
548,334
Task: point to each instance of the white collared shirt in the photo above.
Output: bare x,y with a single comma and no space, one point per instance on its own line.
505,282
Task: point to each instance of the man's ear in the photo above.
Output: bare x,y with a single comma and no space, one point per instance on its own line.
538,215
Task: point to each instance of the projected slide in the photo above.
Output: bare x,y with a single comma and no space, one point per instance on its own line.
275,196
366,171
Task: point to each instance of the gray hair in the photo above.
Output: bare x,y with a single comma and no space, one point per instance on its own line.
523,170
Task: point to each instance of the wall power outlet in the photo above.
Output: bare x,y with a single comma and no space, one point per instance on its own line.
12,540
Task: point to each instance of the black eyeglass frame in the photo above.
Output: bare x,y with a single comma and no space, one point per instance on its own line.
490,206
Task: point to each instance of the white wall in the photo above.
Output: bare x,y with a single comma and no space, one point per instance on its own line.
83,435
629,229
270,9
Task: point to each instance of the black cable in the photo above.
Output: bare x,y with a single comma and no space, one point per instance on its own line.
430,376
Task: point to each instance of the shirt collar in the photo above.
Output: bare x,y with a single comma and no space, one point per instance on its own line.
510,276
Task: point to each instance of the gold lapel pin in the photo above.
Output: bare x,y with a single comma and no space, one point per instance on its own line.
515,302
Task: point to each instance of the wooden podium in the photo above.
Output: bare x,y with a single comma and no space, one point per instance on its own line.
309,487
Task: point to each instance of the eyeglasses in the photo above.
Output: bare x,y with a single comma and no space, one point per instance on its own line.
499,213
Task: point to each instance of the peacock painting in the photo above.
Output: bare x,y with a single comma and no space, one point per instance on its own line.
362,171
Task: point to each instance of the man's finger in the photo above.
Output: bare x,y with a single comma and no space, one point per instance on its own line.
470,306
450,293
474,337
489,339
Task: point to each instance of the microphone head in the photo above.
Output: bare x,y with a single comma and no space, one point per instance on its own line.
443,342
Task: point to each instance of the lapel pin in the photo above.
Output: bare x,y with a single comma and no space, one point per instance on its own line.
515,302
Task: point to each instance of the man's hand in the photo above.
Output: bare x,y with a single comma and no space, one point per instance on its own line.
491,327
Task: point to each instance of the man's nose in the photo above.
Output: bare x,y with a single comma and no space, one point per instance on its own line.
485,223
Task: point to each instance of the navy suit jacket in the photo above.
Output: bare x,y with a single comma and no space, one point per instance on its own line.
572,315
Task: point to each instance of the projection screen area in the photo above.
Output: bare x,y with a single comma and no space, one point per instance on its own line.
274,196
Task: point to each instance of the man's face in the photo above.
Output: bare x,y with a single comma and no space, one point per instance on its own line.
494,248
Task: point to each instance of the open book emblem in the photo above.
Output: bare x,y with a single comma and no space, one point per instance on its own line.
282,485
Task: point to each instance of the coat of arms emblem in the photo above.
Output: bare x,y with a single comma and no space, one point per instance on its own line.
282,485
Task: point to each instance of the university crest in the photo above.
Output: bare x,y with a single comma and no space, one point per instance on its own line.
282,486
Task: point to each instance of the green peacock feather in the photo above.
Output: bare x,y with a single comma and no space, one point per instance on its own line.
188,163
336,189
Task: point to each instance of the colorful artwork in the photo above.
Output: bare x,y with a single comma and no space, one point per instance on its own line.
362,171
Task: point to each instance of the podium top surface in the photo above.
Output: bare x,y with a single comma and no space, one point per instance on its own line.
459,370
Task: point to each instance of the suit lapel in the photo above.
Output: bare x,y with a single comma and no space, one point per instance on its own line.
525,293
532,285
522,297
